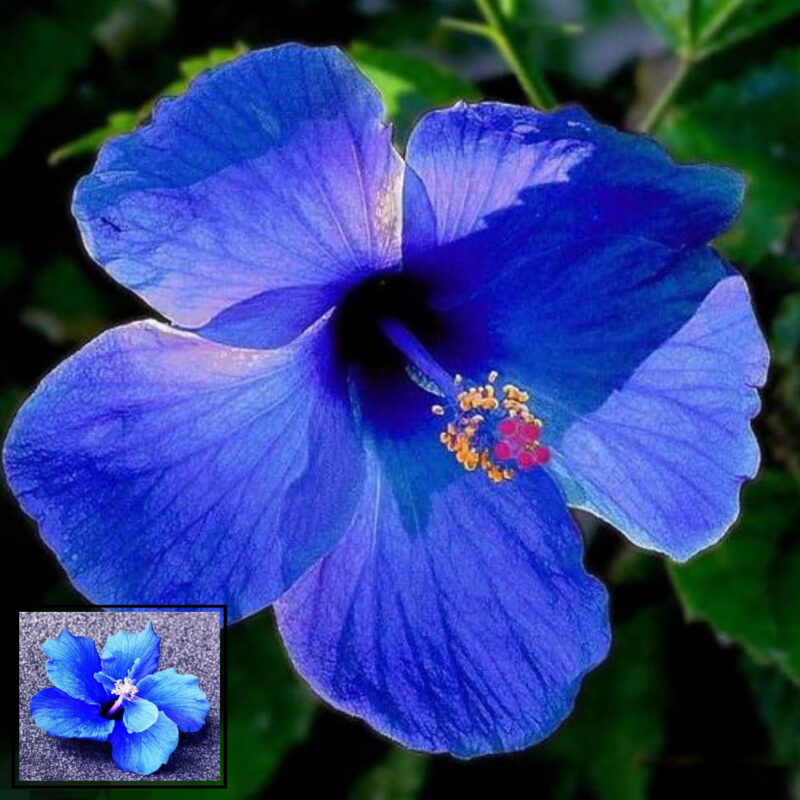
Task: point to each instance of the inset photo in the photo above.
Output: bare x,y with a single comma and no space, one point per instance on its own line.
120,695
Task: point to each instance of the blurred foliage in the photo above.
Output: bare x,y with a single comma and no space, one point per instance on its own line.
73,316
748,587
410,85
11,267
38,54
134,25
586,40
786,333
726,86
778,704
400,776
616,760
125,121
697,28
745,124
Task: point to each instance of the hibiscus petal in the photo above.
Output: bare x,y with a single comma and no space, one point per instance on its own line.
138,714
541,180
664,457
73,662
61,715
455,615
178,696
166,469
242,187
144,752
106,680
646,392
131,655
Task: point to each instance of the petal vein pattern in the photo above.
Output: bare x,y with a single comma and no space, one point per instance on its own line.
172,469
454,615
664,457
543,180
240,188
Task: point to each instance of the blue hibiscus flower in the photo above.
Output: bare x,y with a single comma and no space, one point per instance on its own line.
382,383
118,697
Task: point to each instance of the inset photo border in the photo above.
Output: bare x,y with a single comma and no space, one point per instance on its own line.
66,739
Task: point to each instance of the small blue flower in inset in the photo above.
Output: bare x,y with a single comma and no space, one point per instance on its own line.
383,381
118,697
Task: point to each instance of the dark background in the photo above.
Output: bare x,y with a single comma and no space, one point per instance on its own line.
700,693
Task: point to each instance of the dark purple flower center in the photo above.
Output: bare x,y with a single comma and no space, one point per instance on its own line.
359,318
382,325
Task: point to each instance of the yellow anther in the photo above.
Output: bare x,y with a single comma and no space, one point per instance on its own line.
468,438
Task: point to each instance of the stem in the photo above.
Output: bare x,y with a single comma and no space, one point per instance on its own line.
655,114
532,81
467,26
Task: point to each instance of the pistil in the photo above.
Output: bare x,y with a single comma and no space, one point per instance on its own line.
126,689
489,429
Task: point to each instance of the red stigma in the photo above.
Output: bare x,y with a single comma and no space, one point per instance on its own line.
507,427
518,439
502,451
526,460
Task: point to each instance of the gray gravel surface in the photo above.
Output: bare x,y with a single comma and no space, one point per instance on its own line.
190,642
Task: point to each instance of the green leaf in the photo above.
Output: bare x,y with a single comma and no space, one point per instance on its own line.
670,19
117,123
778,704
11,396
723,23
409,85
65,305
38,54
752,125
748,586
785,339
617,729
125,121
11,267
400,776
783,416
191,67
696,28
